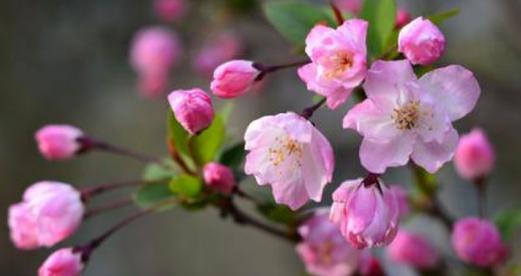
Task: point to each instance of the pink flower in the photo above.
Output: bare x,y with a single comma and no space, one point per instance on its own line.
221,48
219,177
352,6
323,249
475,155
169,10
338,60
477,241
49,213
192,108
290,154
408,118
64,262
403,200
413,249
153,52
421,41
367,215
233,78
403,17
58,142
369,265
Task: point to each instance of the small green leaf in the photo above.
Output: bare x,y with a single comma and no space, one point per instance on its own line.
508,222
155,172
441,17
381,15
233,156
186,186
278,213
206,145
153,193
178,137
294,19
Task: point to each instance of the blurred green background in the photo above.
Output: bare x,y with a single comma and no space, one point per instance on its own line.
66,62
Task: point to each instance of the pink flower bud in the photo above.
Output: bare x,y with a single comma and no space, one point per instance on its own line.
192,108
49,213
64,262
474,156
323,249
233,78
225,46
403,17
367,215
219,177
169,10
352,6
413,249
403,200
477,241
58,142
421,41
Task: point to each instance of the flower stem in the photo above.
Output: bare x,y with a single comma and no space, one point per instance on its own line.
267,69
482,196
108,207
89,192
308,112
338,14
89,143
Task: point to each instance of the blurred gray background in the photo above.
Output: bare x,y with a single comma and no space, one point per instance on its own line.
66,62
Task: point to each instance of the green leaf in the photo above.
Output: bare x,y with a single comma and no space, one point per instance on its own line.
441,17
278,213
381,15
178,137
294,19
153,193
233,156
508,222
155,172
206,145
186,186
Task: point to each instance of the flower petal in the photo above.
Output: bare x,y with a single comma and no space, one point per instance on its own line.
376,157
370,121
433,155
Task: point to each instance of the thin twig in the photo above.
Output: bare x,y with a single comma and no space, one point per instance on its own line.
338,14
89,143
309,111
108,207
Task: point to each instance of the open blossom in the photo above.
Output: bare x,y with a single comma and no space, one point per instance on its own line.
406,118
64,262
338,60
477,241
219,49
219,177
475,155
58,142
367,215
421,41
192,108
352,6
323,249
290,154
233,78
170,10
402,197
413,249
49,213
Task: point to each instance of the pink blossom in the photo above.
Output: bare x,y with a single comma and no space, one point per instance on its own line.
64,262
367,215
338,60
421,41
192,108
413,249
351,6
219,177
233,78
170,10
405,118
475,155
477,241
49,213
323,249
403,200
369,265
58,142
403,17
221,48
290,154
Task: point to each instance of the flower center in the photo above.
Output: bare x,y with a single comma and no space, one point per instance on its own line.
406,116
338,64
284,148
326,252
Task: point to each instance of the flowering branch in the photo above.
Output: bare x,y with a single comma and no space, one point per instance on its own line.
89,192
108,207
90,143
267,69
308,112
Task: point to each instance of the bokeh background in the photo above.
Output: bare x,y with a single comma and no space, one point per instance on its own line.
67,62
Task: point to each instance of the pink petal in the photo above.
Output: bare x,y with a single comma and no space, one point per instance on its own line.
356,31
433,155
376,157
370,121
290,193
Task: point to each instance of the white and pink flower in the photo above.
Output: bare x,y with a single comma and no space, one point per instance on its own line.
64,262
408,118
58,142
290,154
338,60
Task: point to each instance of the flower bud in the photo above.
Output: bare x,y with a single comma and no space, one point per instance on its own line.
58,142
192,108
64,262
169,10
403,200
366,214
474,156
219,177
49,213
233,78
413,249
421,41
403,17
477,241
